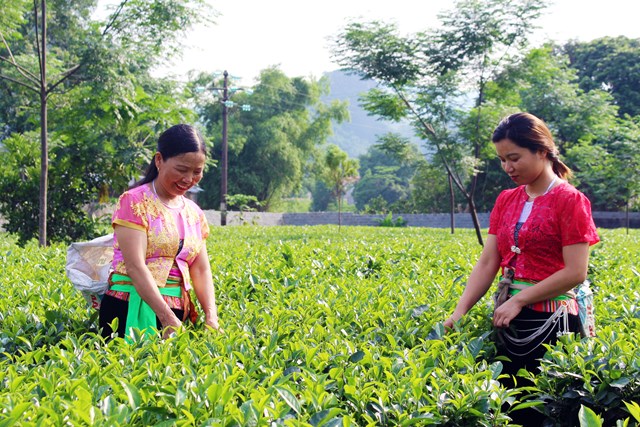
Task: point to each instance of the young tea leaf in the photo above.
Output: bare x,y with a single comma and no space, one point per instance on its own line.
588,418
132,394
289,398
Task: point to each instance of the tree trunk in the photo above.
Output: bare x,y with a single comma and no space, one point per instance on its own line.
225,158
339,211
627,214
476,222
453,204
44,169
44,145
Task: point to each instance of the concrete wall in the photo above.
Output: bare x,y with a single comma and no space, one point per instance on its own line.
602,219
616,219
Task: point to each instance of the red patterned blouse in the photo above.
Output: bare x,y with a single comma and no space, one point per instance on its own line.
561,217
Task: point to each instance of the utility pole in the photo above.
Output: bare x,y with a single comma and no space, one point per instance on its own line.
224,158
223,178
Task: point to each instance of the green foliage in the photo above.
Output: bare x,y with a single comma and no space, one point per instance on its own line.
19,183
386,171
388,221
476,34
271,146
376,205
92,156
152,29
363,129
634,410
292,204
431,192
600,147
611,63
375,51
588,418
321,328
543,84
321,196
477,57
424,77
338,172
243,202
104,109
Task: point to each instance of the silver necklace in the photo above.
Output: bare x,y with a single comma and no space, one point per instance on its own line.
153,186
553,181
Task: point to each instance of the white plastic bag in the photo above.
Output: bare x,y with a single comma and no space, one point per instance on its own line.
88,267
584,296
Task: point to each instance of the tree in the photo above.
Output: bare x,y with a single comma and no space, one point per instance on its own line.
339,172
612,64
424,76
543,83
431,190
606,171
98,145
48,51
596,143
386,171
320,196
271,146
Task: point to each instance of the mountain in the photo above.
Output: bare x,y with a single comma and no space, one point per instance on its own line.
357,135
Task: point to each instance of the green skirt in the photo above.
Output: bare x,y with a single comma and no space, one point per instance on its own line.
140,315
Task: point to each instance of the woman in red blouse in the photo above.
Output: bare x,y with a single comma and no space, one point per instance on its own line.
539,238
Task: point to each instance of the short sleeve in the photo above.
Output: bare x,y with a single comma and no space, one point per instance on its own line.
130,213
204,228
576,221
496,215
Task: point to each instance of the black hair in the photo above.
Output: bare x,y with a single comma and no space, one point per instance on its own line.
176,140
528,131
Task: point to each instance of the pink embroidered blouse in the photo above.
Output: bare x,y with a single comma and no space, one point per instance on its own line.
140,209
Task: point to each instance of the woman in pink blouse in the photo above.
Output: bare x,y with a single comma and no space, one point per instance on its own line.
159,245
539,238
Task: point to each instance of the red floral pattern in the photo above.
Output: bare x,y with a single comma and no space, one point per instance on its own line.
562,217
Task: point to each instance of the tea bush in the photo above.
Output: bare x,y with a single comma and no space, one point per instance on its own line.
323,327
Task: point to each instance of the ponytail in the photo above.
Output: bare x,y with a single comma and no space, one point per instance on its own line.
528,131
559,168
150,174
177,140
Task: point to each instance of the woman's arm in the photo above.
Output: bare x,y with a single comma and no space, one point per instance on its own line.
576,260
479,282
200,271
133,245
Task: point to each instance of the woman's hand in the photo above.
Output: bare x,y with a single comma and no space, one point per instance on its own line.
200,272
213,322
451,321
170,325
504,314
479,282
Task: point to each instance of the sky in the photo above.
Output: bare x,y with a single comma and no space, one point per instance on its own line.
295,35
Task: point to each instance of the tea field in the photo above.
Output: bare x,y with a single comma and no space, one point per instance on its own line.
322,327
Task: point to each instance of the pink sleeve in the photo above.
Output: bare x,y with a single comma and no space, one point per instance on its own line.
576,222
130,213
205,226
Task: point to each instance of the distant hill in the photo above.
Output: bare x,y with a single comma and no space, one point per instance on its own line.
357,135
